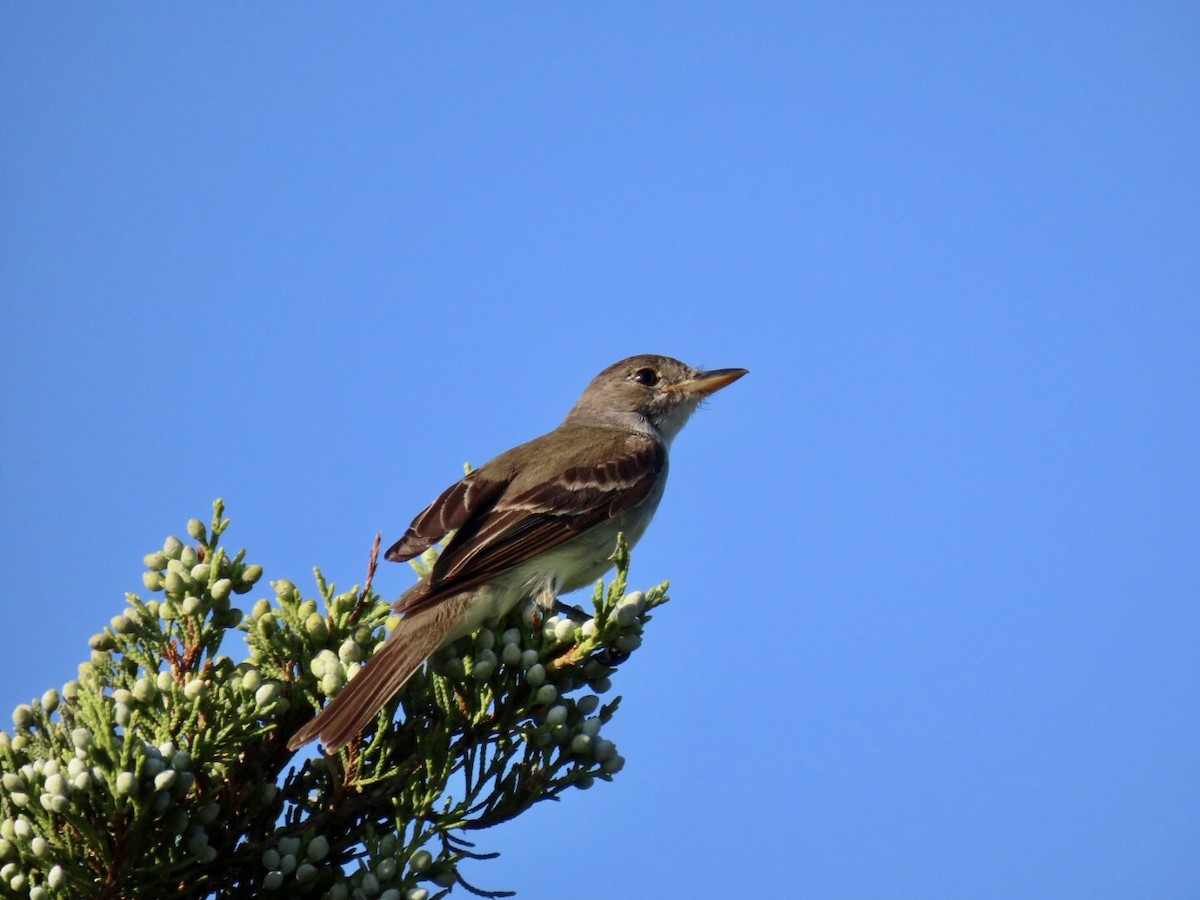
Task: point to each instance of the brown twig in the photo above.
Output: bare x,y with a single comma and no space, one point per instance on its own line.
366,589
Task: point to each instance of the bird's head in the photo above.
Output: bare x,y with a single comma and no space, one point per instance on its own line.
657,390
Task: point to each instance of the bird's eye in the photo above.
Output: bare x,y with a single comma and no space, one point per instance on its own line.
648,377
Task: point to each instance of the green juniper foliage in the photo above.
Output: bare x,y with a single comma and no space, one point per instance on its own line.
163,770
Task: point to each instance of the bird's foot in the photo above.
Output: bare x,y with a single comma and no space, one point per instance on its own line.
611,656
574,613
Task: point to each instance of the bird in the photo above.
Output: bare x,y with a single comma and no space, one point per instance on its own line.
537,521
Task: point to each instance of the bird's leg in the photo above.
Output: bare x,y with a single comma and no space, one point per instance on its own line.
611,656
574,613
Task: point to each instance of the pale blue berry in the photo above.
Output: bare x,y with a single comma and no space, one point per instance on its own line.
350,651
318,848
588,704
447,877
101,641
208,813
267,694
56,784
581,743
614,765
195,688
250,575
564,630
176,583
386,869
629,642
483,669
332,682
144,690
317,627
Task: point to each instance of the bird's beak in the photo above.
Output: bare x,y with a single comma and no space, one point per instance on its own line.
710,382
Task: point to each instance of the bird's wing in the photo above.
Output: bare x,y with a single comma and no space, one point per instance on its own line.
472,497
526,522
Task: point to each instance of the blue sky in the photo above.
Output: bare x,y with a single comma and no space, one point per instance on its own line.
936,618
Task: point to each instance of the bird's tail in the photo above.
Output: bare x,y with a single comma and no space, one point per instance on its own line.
406,648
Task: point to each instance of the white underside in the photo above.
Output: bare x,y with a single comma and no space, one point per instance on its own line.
568,567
